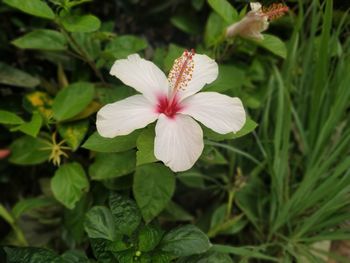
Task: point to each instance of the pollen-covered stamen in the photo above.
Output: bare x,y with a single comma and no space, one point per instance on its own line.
275,11
181,72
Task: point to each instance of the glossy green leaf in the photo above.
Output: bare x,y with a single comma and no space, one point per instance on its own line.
101,250
31,128
224,9
42,39
113,93
122,46
33,7
69,184
274,45
98,143
208,257
149,237
126,214
145,147
99,223
7,117
154,185
74,132
185,241
112,165
14,77
230,77
28,151
161,257
214,30
248,127
72,100
81,23
73,256
29,255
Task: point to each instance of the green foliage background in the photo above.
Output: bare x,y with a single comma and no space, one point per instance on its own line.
270,193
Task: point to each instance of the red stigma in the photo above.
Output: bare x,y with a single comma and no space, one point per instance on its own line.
168,107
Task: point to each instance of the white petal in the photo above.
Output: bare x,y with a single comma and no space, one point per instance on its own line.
255,6
142,75
221,113
178,142
124,116
250,26
205,71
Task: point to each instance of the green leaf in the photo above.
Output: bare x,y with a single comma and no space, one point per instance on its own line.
112,165
73,256
31,128
122,46
225,10
29,255
126,215
248,127
230,77
149,237
73,133
28,151
42,39
214,30
26,205
212,156
7,117
89,43
72,100
186,23
274,45
72,224
98,143
174,212
153,187
99,223
101,250
192,178
208,257
174,52
33,7
6,215
145,147
15,77
69,184
113,93
81,23
185,241
161,257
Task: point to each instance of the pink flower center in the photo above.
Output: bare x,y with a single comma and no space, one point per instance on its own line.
179,77
169,107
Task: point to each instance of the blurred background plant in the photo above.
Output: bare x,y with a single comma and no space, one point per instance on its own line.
277,191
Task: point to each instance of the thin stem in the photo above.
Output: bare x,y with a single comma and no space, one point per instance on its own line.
81,52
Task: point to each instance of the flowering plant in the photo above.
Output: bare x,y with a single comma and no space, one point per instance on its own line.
174,102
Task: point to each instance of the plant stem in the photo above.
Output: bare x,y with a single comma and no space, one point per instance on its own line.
81,52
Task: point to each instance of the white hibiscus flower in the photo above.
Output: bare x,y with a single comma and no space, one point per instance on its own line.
174,103
256,21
